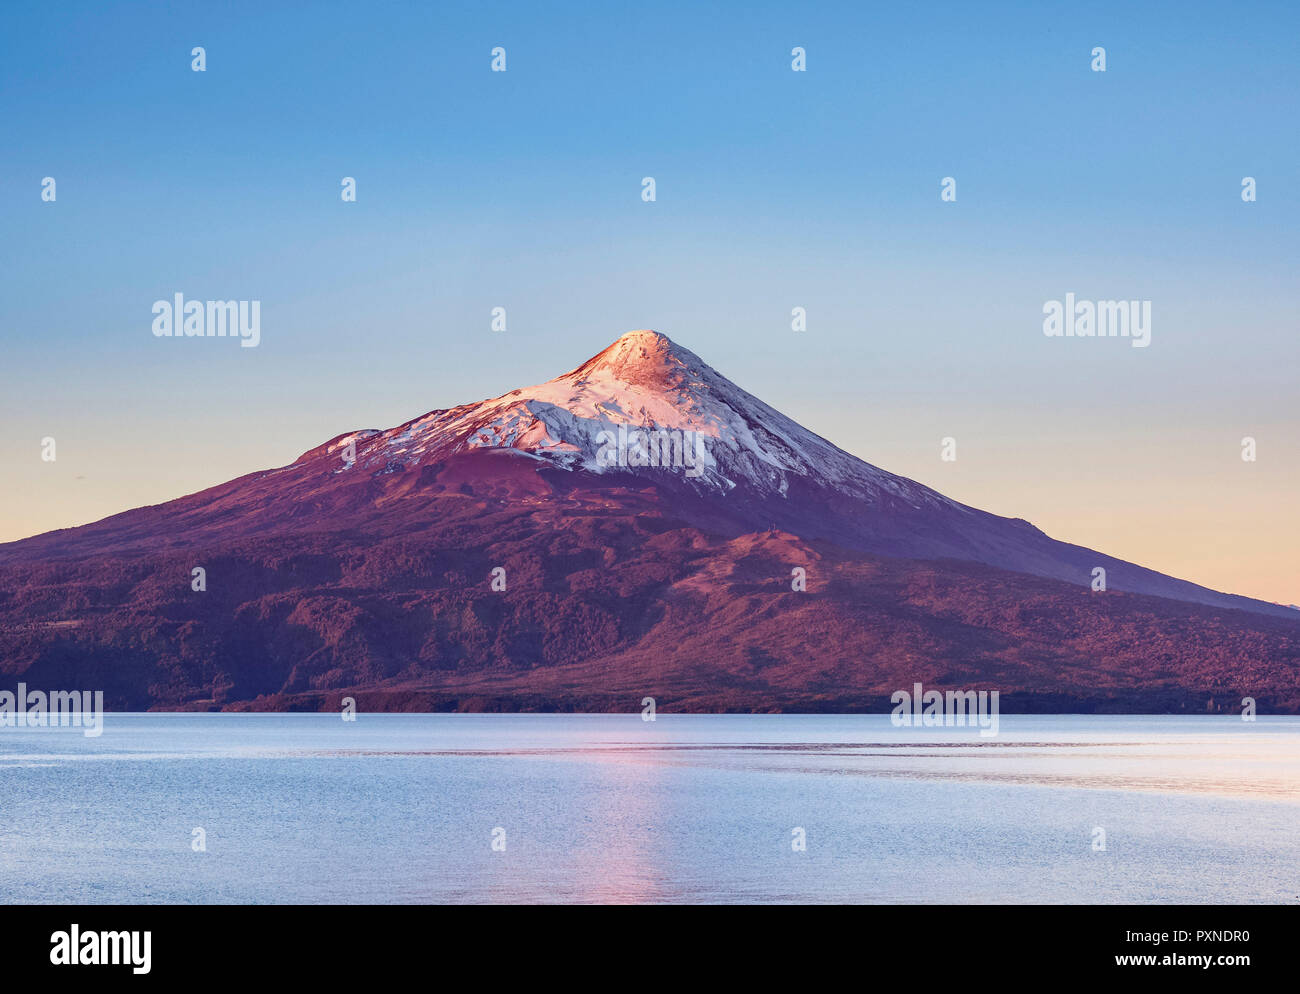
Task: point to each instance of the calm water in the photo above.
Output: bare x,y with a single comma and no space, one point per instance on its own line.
308,808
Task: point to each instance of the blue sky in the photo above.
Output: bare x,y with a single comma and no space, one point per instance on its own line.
775,189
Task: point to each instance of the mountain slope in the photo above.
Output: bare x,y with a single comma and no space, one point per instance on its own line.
366,568
609,599
759,469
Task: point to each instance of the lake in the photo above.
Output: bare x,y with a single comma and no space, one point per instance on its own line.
688,808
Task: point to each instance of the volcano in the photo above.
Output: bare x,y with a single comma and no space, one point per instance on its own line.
627,529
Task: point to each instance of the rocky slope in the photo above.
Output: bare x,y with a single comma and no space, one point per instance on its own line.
365,566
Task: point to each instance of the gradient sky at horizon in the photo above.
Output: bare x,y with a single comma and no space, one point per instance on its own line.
775,189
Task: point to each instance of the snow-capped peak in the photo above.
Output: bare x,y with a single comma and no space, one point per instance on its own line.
643,383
